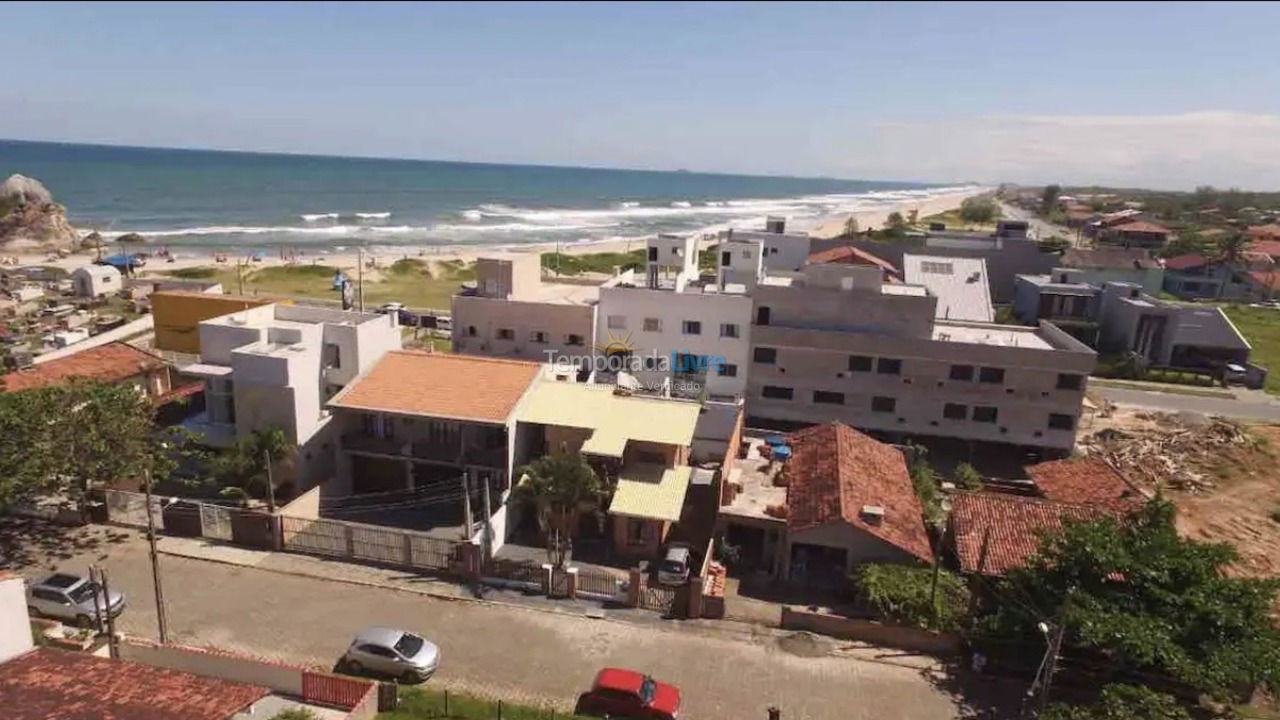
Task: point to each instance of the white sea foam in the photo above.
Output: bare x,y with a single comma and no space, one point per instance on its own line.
316,217
373,215
681,204
629,204
475,215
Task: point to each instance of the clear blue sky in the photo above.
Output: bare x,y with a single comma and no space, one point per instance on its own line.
1159,94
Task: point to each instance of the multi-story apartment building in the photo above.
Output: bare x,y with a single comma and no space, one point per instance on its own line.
513,313
274,366
835,342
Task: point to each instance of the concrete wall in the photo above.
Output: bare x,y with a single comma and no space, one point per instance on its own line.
717,424
867,311
15,628
555,320
508,277
782,251
285,679
306,505
218,339
861,547
870,631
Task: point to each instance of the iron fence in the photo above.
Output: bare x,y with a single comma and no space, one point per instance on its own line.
599,582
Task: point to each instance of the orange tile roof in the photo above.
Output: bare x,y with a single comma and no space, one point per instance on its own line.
112,362
1269,280
1140,226
1085,481
836,470
1265,232
1013,524
48,683
1182,262
443,385
1267,247
850,255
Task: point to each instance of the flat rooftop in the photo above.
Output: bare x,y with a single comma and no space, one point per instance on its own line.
755,476
960,284
614,419
999,335
563,294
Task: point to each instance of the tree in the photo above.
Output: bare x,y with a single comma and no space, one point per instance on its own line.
925,480
241,471
1148,600
901,594
895,221
1049,198
980,210
559,488
967,477
850,226
1231,247
1122,702
1186,243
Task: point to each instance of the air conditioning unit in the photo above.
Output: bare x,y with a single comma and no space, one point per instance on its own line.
873,514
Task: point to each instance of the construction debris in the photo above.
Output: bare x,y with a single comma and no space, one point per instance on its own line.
1171,451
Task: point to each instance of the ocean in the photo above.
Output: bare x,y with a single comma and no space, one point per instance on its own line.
212,199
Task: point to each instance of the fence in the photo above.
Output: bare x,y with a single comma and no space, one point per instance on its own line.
130,508
355,541
599,584
662,599
326,689
518,574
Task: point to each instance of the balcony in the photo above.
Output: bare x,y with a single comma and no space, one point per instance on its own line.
364,442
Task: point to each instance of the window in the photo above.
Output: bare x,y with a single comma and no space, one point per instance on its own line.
728,370
675,251
639,532
729,330
936,268
883,404
775,392
652,325
377,650
889,366
726,259
984,414
1070,382
763,315
692,327
332,355
538,336
506,334
572,339
826,397
859,363
617,322
773,251
653,254
955,411
765,355
1059,421
991,375
961,372
50,596
471,331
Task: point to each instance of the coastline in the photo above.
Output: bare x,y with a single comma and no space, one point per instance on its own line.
380,256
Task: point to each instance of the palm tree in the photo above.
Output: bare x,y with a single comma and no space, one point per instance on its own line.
559,488
1231,247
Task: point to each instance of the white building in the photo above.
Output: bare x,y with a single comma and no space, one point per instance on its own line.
276,365
960,284
95,280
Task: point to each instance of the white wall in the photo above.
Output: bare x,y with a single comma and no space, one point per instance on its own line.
15,626
281,678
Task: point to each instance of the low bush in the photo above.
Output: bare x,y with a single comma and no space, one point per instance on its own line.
900,594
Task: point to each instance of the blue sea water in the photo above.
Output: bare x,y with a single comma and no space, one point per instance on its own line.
205,198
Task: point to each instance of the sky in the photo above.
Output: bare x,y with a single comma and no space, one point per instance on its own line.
1162,95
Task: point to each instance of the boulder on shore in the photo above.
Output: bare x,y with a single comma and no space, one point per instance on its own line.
29,218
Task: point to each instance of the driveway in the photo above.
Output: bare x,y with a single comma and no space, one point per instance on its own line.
512,652
1246,406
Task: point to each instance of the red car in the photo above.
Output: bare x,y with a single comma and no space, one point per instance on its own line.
628,694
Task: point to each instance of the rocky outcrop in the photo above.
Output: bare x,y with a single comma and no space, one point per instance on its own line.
29,218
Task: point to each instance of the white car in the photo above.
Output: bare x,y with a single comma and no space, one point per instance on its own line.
674,569
72,598
392,652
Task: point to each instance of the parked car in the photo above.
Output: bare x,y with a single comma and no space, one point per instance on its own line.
1234,374
619,693
674,569
71,597
392,652
391,307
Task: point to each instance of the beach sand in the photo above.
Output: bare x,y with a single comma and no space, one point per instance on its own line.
383,256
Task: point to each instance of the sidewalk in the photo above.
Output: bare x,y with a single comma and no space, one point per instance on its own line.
796,643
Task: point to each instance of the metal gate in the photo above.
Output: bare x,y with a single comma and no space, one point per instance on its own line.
215,521
130,508
663,599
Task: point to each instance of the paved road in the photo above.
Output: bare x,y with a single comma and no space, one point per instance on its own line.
1242,409
1040,230
513,652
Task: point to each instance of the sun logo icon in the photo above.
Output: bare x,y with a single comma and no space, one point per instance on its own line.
617,345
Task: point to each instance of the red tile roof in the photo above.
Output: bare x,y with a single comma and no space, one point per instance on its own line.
850,255
836,470
1013,524
112,362
443,385
49,684
1141,226
1182,262
1266,247
1269,280
1085,481
1265,232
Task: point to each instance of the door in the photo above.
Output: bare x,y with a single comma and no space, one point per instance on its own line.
762,316
381,659
52,603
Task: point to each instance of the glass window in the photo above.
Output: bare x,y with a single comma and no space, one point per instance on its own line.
826,397
692,327
889,366
984,414
859,363
961,372
572,339
1068,381
728,370
729,330
653,324
883,404
617,322
471,331
538,336
1059,421
506,334
765,355
776,392
991,375
955,411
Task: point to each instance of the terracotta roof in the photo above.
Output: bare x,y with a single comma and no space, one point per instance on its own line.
1085,481
112,362
443,385
1266,279
1141,226
1182,262
836,470
1014,524
1109,257
1267,247
1265,232
850,255
46,684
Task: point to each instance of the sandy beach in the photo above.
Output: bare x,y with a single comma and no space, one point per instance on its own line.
383,256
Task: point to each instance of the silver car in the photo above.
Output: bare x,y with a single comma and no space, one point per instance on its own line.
71,597
392,652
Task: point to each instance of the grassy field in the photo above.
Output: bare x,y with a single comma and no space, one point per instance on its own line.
1261,327
423,703
953,221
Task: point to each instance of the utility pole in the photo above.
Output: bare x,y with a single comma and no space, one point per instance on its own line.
466,507
933,589
488,529
239,278
97,611
271,484
360,277
155,565
112,647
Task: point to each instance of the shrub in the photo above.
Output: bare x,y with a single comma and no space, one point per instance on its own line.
410,266
296,714
967,477
900,594
981,209
193,273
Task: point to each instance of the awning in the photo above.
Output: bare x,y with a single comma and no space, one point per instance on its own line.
652,492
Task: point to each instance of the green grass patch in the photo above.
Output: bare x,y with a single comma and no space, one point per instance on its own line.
604,262
1261,327
200,272
411,267
418,703
953,221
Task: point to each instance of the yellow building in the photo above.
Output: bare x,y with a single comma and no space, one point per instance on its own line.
178,314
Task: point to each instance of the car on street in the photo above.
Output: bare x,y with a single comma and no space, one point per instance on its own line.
619,693
674,569
71,598
389,651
